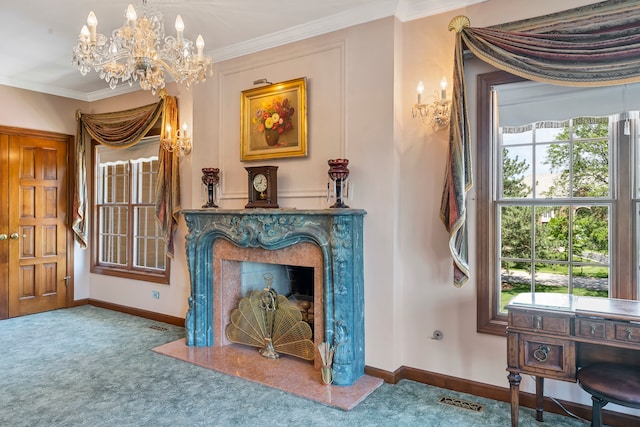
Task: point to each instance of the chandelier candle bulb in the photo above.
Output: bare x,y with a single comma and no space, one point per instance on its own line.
131,16
200,46
84,33
179,28
92,22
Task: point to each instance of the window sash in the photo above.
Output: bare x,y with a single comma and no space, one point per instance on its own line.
128,236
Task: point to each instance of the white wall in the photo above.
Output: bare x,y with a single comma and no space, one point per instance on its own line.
361,85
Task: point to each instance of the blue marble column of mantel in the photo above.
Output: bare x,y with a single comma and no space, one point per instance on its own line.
338,233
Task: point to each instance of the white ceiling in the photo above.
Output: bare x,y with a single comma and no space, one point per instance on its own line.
37,36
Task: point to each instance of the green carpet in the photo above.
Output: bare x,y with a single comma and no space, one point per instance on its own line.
87,366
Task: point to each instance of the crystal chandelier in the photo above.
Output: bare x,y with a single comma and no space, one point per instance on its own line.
140,51
437,114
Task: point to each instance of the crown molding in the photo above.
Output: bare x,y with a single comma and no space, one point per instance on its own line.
318,27
409,10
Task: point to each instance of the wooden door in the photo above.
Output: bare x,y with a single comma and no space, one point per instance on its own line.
4,226
38,237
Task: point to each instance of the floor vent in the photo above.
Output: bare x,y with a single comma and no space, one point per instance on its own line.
459,403
159,328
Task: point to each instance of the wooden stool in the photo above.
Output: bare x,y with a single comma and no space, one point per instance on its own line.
609,382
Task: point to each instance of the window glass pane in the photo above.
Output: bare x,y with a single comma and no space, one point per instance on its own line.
551,277
146,171
552,170
113,233
552,233
515,278
516,172
515,232
150,249
590,233
115,183
591,168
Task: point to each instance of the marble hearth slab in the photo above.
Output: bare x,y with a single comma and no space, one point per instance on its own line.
288,374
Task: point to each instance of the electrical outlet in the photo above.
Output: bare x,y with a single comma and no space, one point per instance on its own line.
155,294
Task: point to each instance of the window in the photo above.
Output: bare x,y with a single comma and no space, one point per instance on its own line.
127,237
555,200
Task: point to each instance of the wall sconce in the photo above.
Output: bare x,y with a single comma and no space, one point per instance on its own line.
181,143
436,114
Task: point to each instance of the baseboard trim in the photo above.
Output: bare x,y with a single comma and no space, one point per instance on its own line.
159,317
613,419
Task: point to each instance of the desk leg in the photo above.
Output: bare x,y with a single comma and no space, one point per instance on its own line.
514,387
539,398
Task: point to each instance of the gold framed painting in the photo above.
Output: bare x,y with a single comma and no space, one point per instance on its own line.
273,121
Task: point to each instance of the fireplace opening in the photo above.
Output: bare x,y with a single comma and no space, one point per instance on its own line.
292,281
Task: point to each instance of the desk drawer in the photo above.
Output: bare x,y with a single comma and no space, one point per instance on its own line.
556,325
548,357
627,332
591,328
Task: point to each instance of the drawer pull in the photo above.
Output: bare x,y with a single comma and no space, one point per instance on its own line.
541,353
628,331
593,329
537,322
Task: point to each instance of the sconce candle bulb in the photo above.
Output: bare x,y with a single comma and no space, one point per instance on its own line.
420,90
443,87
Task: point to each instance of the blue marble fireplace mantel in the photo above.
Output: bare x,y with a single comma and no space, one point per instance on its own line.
338,234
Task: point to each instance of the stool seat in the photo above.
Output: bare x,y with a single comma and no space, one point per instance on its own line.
610,382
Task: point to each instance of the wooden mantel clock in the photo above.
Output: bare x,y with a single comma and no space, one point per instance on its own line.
263,187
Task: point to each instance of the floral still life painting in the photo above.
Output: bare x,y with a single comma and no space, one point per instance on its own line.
273,120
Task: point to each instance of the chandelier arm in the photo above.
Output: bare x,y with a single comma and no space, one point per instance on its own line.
170,70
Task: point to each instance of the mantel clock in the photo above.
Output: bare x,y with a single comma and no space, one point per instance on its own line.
263,187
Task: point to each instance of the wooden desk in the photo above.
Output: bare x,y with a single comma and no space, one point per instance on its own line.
553,335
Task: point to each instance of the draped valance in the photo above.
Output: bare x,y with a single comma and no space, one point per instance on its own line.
122,129
595,45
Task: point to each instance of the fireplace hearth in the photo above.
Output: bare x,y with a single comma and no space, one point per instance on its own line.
219,239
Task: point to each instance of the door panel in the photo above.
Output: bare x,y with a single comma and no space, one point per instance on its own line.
4,227
37,229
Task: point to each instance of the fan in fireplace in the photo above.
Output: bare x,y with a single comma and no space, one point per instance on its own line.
271,323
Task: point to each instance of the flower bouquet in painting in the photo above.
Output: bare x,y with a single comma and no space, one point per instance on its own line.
273,118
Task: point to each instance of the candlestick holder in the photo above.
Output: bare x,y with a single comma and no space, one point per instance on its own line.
211,178
339,175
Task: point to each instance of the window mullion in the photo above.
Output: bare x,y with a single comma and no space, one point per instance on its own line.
130,211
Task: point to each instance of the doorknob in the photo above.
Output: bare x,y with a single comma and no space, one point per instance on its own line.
14,236
3,236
